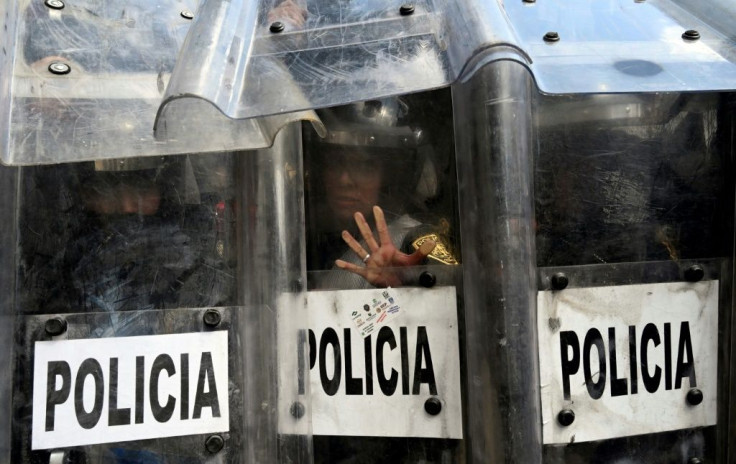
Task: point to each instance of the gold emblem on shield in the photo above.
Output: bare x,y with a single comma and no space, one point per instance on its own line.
440,252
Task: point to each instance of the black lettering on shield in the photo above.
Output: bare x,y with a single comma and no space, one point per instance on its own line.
115,416
425,375
54,396
353,386
651,382
209,399
685,347
594,338
89,367
330,385
388,386
139,388
569,364
619,386
184,383
163,362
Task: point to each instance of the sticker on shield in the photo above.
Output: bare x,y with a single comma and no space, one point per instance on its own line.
627,360
108,390
378,309
383,383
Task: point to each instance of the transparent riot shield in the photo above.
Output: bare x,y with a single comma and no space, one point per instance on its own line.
598,302
145,309
651,255
384,278
185,278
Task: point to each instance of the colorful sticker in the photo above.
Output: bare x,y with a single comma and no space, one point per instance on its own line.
376,313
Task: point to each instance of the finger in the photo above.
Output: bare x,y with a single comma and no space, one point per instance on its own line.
418,256
361,271
354,245
286,14
365,231
381,226
293,5
295,17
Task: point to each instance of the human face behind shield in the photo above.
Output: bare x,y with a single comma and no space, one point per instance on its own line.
122,195
124,199
353,181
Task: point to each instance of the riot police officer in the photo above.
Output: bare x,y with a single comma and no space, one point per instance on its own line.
370,157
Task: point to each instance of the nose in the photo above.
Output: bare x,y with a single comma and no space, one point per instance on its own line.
129,202
345,176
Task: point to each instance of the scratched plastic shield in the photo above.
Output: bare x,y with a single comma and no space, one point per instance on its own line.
644,201
127,275
86,80
591,146
389,344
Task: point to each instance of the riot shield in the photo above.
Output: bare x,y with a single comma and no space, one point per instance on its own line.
606,268
384,278
506,235
140,332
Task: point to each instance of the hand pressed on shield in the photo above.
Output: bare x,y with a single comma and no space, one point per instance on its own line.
382,257
290,12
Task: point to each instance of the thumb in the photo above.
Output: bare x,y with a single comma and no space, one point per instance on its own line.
422,252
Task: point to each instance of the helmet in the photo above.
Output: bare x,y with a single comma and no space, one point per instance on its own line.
373,124
386,133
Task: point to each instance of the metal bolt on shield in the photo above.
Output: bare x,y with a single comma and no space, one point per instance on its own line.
55,326
54,4
694,273
57,67
212,317
694,397
559,281
433,406
214,443
566,417
427,279
406,9
552,37
297,410
691,34
186,14
277,27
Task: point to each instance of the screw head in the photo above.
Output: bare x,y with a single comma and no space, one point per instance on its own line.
694,273
694,397
212,318
433,406
54,4
406,9
559,281
427,279
694,461
58,67
566,417
691,34
214,443
186,14
55,326
529,1
552,37
277,27
297,410
297,285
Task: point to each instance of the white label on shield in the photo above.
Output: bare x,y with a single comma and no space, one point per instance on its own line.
378,385
129,388
624,358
